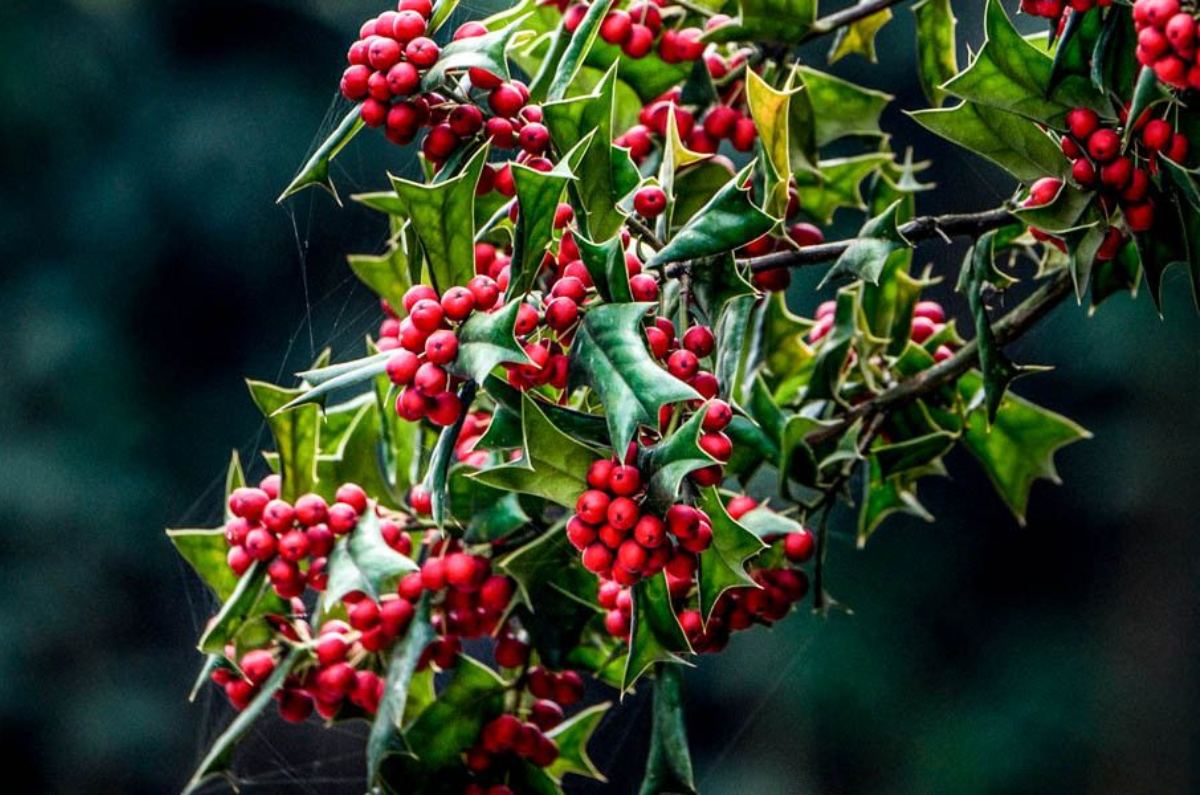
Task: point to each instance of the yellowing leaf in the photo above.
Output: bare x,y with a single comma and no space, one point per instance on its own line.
859,37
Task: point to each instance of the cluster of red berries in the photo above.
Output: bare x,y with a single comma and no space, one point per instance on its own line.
1056,10
270,530
542,698
638,30
723,121
425,344
619,540
928,320
1167,41
799,234
683,358
470,599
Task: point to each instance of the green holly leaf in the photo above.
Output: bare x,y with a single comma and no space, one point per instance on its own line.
716,282
877,243
723,564
553,464
205,551
572,737
882,498
450,725
669,462
487,340
387,729
695,186
295,431
609,355
315,171
728,221
770,110
538,195
903,456
443,218
734,346
655,635
937,55
388,275
589,428
779,21
669,766
605,263
1075,47
355,458
1010,141
763,522
1119,275
1173,240
484,52
603,178
557,596
1013,75
442,10
324,381
841,108
859,37
836,183
577,50
251,599
1018,447
486,514
220,754
437,474
362,561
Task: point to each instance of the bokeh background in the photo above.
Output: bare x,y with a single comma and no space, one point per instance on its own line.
144,268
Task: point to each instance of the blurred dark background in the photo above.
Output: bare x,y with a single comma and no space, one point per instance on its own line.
144,267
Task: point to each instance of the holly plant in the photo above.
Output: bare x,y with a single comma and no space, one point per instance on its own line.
525,499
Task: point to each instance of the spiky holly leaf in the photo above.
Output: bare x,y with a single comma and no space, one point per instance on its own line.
605,263
389,275
448,726
217,760
782,21
443,218
437,473
315,170
763,522
728,221
321,382
859,37
884,497
582,39
1012,75
655,635
483,52
676,156
387,729
837,183
770,109
553,464
1019,447
723,564
295,431
557,596
667,463
669,766
354,454
363,561
572,737
589,428
877,243
695,186
734,346
1010,141
841,108
899,457
538,195
609,355
442,10
716,281
487,340
603,179
937,54
205,551
242,613
486,514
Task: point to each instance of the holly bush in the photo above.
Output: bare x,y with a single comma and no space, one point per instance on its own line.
528,497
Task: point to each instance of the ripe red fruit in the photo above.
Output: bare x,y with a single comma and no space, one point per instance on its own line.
624,480
622,513
799,546
422,52
1157,135
1140,217
682,521
239,559
408,25
342,518
422,7
805,234
527,320
354,82
744,135
599,473
465,120
632,556
363,614
506,100
561,313
485,291
616,623
1104,145
1116,175
460,570
922,329
720,121
433,574
1044,191
401,366
930,309
383,53
534,138
511,652
440,143
717,415
650,201
293,545
331,648
545,714
257,665
458,303
597,558
683,364
418,292
411,405
741,505
248,503
699,340
470,30
643,287
446,409
580,533
650,531
1082,122
592,506
441,347
716,444
430,379
353,495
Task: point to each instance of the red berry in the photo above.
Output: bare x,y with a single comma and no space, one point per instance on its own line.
1157,135
441,347
1104,145
624,480
465,120
650,201
534,138
580,533
597,558
342,518
716,444
401,366
622,513
422,52
430,379
446,409
257,665
699,340
643,287
650,531
383,53
683,364
506,100
717,415
408,25
592,506
1082,122
799,546
354,82
485,291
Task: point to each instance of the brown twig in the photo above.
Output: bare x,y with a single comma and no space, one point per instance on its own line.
847,16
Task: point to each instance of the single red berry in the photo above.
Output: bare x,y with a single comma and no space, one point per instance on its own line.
408,25
441,347
383,53
354,82
506,100
643,287
599,473
401,366
717,415
622,513
342,518
1104,145
683,364
430,379
485,291
699,340
592,506
418,292
650,201
650,531
597,558
716,444
465,120
624,480
445,410
799,546
422,52
411,405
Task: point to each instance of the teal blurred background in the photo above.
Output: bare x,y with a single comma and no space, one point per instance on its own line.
144,268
